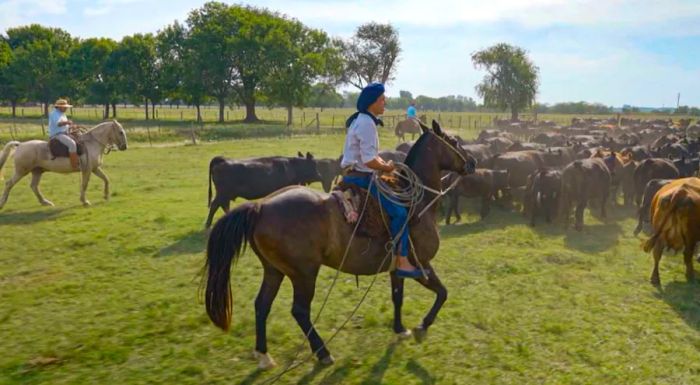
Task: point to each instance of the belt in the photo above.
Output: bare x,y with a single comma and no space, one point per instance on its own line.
358,173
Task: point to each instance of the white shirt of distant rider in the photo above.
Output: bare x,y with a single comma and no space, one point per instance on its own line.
57,116
361,144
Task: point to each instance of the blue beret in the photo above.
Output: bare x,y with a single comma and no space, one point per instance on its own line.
369,95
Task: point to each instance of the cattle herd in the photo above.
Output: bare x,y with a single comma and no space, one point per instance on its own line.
546,170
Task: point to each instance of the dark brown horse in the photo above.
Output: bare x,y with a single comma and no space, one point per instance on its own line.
295,230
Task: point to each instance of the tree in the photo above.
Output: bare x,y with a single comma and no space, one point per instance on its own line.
8,90
372,54
511,81
39,67
324,95
136,66
89,67
300,57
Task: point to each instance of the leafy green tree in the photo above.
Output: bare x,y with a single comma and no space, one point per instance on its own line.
135,66
8,90
372,54
511,81
301,56
324,95
39,68
88,63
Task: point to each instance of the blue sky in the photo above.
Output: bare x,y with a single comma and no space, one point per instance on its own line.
613,52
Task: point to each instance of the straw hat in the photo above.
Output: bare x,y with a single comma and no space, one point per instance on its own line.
62,103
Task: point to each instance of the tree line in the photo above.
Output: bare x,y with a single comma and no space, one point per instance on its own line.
223,54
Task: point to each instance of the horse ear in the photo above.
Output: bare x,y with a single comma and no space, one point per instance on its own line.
299,154
309,156
437,128
423,127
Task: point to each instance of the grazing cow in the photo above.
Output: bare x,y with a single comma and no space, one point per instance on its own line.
395,156
329,169
649,191
627,182
520,164
483,183
256,178
648,169
404,147
582,181
686,167
543,194
637,153
523,146
675,219
481,152
550,139
673,151
499,144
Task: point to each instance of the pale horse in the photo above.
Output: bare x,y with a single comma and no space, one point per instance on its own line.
34,156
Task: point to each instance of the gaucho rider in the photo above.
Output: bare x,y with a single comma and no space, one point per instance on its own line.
361,156
59,125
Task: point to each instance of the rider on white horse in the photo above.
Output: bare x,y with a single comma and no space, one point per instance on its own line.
59,126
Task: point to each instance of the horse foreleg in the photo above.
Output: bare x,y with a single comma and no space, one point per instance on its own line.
268,291
397,299
101,174
432,283
36,178
83,187
19,174
304,287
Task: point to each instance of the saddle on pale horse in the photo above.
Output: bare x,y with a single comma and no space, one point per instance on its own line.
59,150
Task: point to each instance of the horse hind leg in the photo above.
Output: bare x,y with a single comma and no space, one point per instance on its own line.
397,299
268,291
19,174
36,178
304,288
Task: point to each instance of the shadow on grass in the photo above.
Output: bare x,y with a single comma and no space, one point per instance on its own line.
191,243
414,367
251,377
684,298
497,219
376,374
334,377
24,218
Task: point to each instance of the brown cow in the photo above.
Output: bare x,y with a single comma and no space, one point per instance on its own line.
649,191
543,194
581,181
648,169
520,164
483,183
675,218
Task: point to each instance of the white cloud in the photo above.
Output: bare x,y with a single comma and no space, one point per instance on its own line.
18,12
104,7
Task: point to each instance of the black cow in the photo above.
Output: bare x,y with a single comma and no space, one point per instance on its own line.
255,178
652,187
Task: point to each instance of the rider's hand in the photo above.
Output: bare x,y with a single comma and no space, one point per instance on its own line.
389,166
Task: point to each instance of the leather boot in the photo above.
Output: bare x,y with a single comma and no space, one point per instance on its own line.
74,161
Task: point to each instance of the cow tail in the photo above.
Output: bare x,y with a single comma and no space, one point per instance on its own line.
673,205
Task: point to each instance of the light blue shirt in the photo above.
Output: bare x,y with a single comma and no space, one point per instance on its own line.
56,117
361,144
411,112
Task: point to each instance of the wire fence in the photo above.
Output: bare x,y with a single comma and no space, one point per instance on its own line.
173,123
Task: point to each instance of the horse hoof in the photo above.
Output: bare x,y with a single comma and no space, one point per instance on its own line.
265,361
47,203
404,334
326,361
419,333
87,204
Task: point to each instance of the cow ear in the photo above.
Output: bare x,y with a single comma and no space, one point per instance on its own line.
423,127
309,156
299,154
437,128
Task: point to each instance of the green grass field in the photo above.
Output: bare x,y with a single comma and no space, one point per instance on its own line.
109,294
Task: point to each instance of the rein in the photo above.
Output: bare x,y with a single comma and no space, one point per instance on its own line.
107,148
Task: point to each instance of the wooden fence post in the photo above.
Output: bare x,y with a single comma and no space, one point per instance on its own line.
318,124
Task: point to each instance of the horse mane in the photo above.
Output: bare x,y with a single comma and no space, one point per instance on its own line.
412,156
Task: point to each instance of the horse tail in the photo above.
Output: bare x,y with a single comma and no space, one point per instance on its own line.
6,153
227,241
214,161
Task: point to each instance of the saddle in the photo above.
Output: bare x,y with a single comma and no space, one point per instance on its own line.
59,150
351,199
